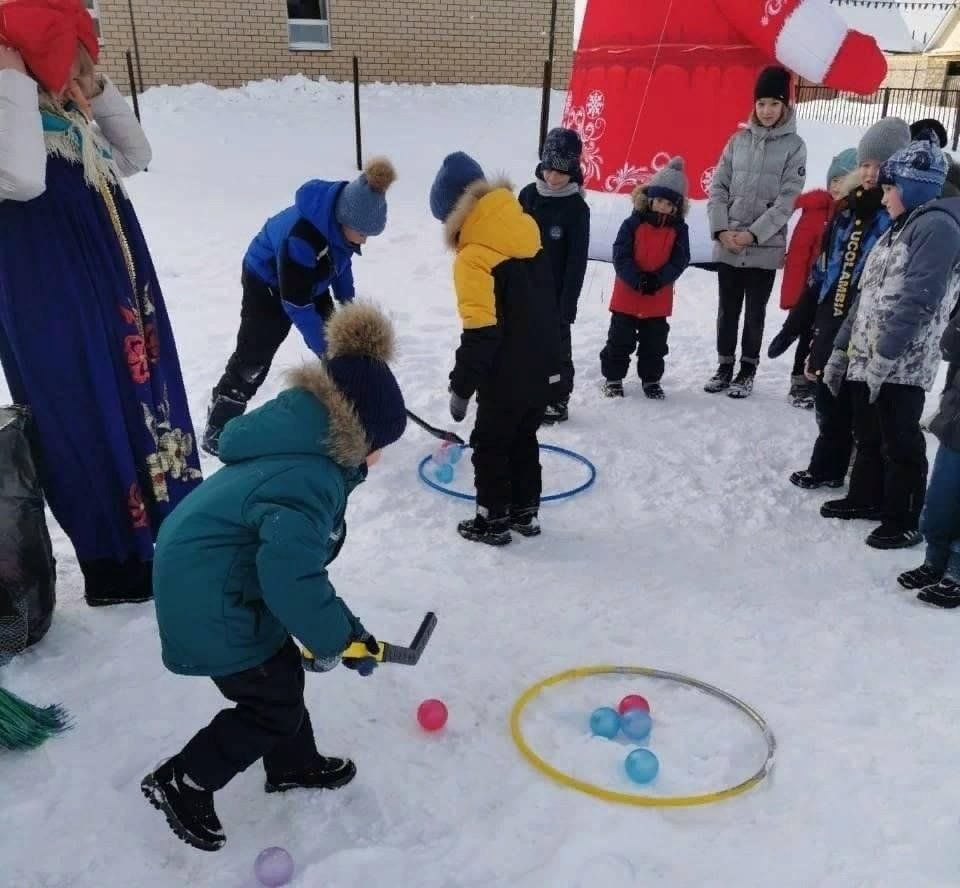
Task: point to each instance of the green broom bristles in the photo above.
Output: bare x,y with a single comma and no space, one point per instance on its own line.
25,726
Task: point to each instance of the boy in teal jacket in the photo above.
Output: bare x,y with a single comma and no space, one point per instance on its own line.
240,567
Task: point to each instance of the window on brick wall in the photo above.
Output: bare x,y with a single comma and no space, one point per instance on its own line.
308,24
94,9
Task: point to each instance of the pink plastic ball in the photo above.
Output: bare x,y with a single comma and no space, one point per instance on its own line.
432,715
633,701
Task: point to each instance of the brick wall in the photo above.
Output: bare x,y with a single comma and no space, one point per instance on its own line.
409,41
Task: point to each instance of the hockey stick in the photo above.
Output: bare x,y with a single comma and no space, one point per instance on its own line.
392,653
452,437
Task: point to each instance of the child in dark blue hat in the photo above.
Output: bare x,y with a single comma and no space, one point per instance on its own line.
291,266
556,201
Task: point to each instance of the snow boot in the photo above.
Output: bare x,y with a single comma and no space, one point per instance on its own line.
920,577
742,385
107,582
846,510
525,521
889,536
809,482
221,410
188,807
945,594
486,527
556,412
720,381
654,391
801,393
613,388
327,773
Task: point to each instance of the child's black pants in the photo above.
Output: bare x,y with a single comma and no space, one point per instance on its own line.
646,336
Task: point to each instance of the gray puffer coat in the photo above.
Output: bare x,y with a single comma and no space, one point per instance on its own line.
759,177
908,288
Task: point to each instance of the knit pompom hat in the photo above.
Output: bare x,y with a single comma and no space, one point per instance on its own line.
918,172
670,183
362,204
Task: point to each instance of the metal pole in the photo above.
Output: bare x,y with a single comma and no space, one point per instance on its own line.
133,85
356,110
553,29
956,119
136,43
545,106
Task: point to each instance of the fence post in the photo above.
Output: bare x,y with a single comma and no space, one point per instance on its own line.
136,42
886,101
356,110
956,119
133,85
545,105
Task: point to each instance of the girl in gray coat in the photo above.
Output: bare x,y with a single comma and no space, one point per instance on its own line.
759,176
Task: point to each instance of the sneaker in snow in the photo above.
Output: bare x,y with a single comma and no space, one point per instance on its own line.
613,388
720,381
525,521
808,482
486,528
654,391
945,594
556,413
742,385
328,773
889,536
846,510
920,577
188,808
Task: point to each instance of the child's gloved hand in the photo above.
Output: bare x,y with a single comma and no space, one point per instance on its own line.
319,664
780,343
836,371
878,370
364,665
649,283
458,406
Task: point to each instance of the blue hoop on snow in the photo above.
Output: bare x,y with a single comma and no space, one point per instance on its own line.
553,497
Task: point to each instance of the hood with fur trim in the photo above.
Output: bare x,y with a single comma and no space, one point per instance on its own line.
641,203
489,215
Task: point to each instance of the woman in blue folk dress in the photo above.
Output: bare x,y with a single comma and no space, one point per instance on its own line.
85,340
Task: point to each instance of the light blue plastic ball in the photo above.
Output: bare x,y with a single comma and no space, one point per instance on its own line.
605,722
636,724
642,766
441,456
444,473
273,867
456,451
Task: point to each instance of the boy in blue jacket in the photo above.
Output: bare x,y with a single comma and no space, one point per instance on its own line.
299,256
241,567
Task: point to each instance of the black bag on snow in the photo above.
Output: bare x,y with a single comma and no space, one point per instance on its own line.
28,573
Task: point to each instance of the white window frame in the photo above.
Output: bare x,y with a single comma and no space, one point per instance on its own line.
93,7
309,45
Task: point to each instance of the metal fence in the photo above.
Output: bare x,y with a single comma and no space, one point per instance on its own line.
848,109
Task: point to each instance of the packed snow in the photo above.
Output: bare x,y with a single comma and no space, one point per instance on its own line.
691,554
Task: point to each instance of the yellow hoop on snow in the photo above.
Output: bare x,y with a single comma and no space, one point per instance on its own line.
626,798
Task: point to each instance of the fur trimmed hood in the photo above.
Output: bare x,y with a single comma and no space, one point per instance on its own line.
467,203
641,203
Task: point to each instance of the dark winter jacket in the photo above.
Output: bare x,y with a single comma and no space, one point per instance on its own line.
946,424
834,282
648,244
241,564
565,233
301,254
509,349
907,291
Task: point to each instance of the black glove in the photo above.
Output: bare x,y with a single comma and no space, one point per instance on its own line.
458,406
364,665
649,283
780,343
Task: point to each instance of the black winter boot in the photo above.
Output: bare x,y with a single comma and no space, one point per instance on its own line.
846,510
890,536
920,577
945,594
720,381
222,409
525,521
654,391
188,807
107,582
492,528
801,393
557,412
327,773
742,384
613,388
810,482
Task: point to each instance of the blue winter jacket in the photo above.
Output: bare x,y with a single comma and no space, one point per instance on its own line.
301,254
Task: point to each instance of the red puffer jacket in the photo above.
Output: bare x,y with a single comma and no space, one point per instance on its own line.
46,34
816,208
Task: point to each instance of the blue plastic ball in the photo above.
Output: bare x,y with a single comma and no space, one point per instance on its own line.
642,766
456,451
441,456
605,722
444,473
636,724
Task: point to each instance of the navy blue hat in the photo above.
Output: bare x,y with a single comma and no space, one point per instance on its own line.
362,204
457,173
561,151
359,344
918,171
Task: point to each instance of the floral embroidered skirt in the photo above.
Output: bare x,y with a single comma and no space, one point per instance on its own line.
85,342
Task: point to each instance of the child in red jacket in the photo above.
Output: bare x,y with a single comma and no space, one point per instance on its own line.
651,251
816,210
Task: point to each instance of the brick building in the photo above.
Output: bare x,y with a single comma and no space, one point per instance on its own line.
408,41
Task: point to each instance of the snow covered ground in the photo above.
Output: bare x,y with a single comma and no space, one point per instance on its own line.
692,553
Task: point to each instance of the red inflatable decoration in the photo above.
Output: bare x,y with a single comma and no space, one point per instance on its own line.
656,78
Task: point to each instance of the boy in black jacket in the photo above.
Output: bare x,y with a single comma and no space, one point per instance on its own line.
556,201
